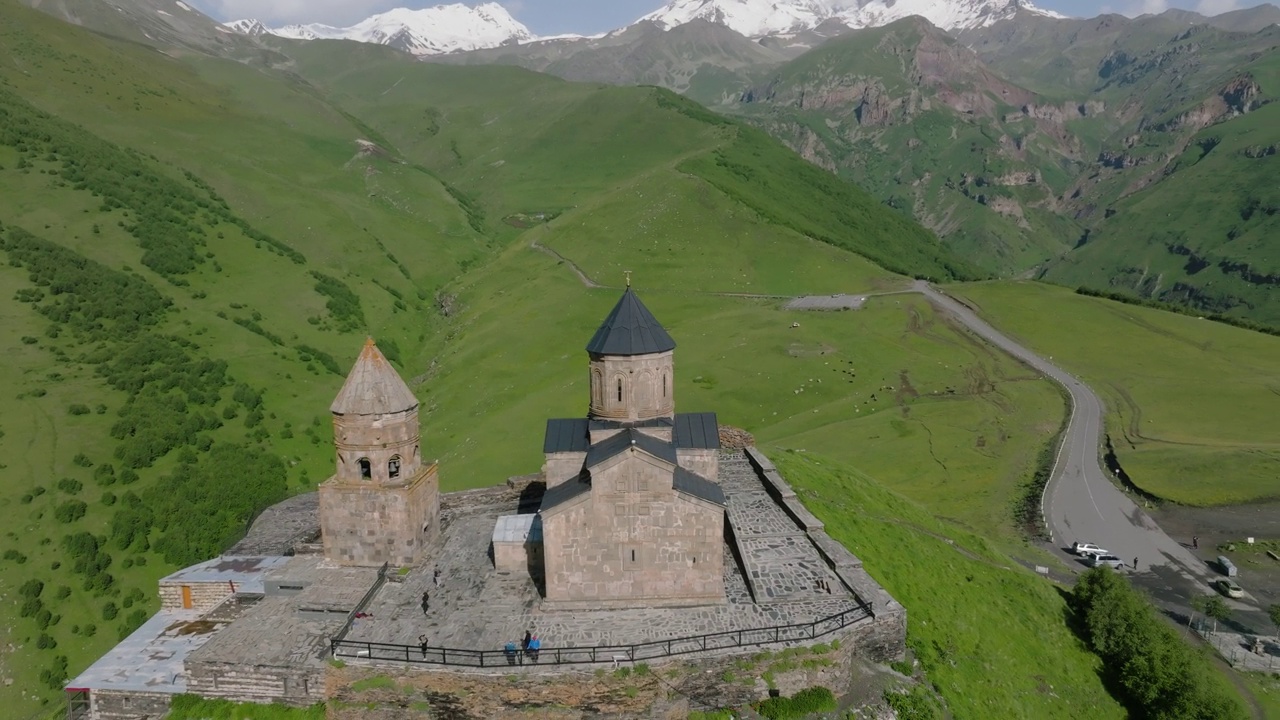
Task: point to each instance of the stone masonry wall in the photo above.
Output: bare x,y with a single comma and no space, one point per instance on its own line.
705,462
885,639
560,467
115,705
297,685
204,596
634,542
366,525
648,387
377,438
670,689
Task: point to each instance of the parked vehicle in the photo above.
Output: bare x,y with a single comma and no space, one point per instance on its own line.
1229,587
1110,561
1084,549
1228,567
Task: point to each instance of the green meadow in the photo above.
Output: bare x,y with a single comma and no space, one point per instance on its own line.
1191,404
194,250
990,635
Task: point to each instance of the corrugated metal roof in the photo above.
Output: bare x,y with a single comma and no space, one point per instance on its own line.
630,329
697,430
565,491
606,449
698,486
566,435
373,387
518,529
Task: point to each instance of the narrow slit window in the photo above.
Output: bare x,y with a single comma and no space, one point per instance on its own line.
664,385
619,389
633,556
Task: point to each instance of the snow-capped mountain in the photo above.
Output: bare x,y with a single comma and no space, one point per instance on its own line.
249,27
431,31
755,18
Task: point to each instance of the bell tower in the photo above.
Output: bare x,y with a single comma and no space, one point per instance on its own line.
632,365
383,501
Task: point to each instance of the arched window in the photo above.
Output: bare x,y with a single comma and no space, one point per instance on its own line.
597,388
393,467
366,470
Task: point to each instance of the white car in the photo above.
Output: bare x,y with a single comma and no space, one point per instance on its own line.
1085,549
1110,561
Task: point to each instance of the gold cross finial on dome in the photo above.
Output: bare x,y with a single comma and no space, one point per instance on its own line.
628,274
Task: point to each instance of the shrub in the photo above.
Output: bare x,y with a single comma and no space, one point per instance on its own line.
70,486
70,511
78,409
46,642
110,611
81,459
31,588
915,704
1157,674
806,702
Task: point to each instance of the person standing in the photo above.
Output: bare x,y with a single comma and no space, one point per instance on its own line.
422,643
1135,563
524,644
435,577
1195,542
426,602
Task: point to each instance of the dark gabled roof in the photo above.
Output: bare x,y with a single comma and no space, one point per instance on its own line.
566,435
630,329
606,449
693,484
565,491
697,430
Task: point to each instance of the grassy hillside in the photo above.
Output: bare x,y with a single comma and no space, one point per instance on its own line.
1206,235
528,148
992,638
1180,203
1190,402
196,248
913,116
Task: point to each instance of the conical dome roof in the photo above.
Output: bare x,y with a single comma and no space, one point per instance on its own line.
630,329
373,387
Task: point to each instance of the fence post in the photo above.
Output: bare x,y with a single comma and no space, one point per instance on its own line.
444,656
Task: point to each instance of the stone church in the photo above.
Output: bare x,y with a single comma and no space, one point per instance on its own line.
633,515
383,502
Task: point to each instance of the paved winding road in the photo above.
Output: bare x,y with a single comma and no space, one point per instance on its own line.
1080,502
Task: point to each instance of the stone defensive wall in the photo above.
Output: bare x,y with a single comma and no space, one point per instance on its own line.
789,584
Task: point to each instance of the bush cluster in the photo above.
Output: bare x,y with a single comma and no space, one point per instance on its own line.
1157,675
804,703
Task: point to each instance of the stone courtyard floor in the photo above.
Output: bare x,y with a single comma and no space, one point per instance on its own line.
476,608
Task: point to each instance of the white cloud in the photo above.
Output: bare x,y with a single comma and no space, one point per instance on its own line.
1216,7
1134,8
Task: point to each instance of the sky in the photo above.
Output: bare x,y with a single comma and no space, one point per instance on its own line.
550,17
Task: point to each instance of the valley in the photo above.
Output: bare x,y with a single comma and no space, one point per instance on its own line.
199,235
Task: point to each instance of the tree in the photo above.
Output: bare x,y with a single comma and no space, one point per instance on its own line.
1273,612
1213,607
